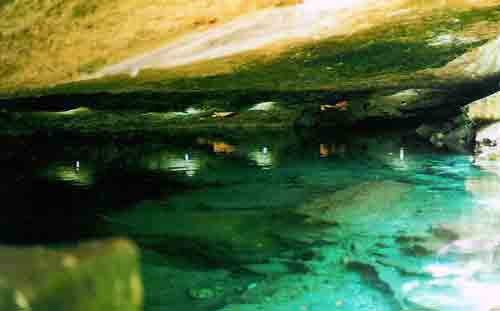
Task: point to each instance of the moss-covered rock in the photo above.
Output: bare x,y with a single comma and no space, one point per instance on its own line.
96,276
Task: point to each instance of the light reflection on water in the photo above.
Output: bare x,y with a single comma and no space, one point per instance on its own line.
75,173
263,158
451,215
168,161
470,281
221,147
217,146
326,150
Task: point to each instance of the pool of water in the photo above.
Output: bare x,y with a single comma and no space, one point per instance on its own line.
280,222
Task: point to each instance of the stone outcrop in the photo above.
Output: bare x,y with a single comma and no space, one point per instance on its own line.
485,109
477,129
455,135
486,114
404,104
45,42
488,142
418,72
479,63
94,276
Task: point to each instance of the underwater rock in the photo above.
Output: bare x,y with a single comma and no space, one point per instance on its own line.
252,286
93,276
444,232
485,186
202,293
268,269
370,274
241,307
366,201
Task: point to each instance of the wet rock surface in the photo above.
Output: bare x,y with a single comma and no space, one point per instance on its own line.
481,62
455,135
485,109
474,131
488,142
93,276
405,104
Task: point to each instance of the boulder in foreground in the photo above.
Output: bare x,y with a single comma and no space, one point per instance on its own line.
95,276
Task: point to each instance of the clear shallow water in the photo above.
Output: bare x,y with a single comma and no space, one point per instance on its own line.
272,223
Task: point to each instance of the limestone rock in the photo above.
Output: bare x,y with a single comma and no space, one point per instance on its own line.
265,106
487,138
486,186
404,104
456,135
479,63
222,115
488,142
486,109
94,276
451,40
268,269
459,139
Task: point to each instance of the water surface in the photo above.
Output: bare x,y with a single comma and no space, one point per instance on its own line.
271,223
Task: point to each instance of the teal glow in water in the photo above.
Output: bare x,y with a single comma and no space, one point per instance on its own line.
374,223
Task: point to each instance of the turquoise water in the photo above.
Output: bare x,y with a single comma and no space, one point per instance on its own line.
274,222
